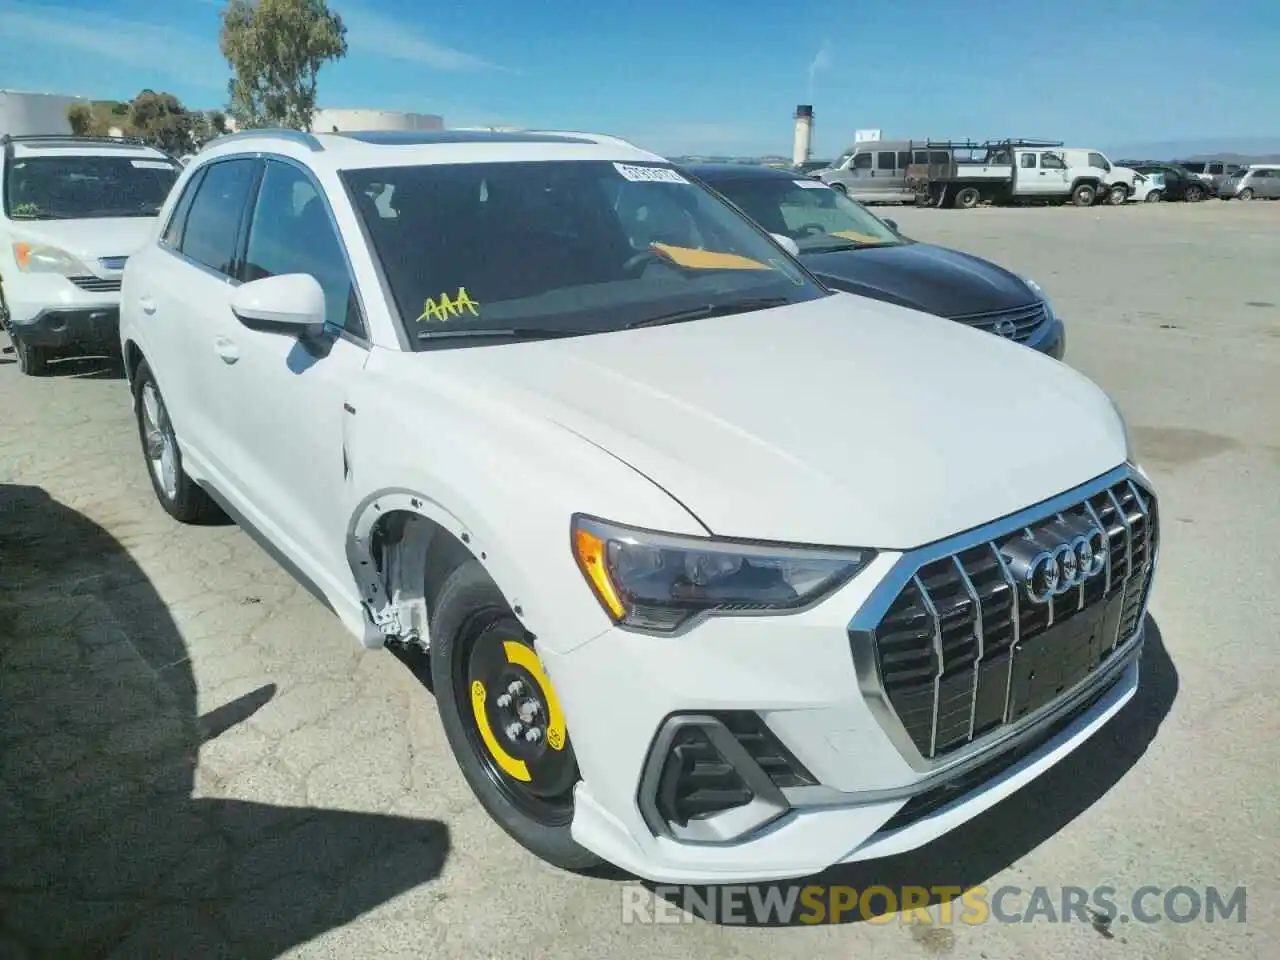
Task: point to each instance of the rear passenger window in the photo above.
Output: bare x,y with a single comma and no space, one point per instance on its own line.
1028,161
213,223
904,159
884,161
293,233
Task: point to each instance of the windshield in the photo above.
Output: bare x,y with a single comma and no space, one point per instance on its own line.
562,247
818,218
85,187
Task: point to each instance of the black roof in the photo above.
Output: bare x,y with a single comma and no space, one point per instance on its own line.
738,171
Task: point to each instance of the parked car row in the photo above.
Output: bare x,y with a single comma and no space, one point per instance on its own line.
724,573
964,173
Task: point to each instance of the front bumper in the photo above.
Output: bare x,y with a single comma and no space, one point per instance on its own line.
859,793
63,327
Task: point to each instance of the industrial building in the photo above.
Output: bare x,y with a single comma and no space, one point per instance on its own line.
23,113
338,120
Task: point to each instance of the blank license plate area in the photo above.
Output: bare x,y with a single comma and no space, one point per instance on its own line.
1047,666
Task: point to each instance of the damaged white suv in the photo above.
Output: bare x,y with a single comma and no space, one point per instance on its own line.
724,576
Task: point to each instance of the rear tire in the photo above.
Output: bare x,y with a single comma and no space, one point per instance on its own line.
1118,196
525,782
1194,195
180,496
1155,196
968,198
1084,195
32,361
1245,194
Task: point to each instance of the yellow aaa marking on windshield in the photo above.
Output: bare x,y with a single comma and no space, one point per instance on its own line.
707,259
860,237
446,308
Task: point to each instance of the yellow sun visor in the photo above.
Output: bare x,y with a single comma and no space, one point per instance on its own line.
860,237
707,259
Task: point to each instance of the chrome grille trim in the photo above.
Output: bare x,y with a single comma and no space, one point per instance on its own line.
932,736
1026,320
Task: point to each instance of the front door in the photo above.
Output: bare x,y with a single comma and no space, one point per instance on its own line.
283,401
1036,177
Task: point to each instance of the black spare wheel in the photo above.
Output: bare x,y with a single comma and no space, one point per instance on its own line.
503,719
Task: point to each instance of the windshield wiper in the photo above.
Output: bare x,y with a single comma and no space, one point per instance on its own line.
839,245
501,333
710,310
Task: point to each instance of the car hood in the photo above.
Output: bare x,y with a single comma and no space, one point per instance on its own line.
944,282
840,421
90,239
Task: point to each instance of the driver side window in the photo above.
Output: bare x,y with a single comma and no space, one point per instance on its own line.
292,233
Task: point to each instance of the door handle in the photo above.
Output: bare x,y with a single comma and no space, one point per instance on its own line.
227,350
147,304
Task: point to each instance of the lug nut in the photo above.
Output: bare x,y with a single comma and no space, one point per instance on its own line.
504,701
515,688
533,735
513,730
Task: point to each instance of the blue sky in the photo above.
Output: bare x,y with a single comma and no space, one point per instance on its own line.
720,75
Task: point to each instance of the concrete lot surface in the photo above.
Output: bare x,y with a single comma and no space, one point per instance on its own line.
195,761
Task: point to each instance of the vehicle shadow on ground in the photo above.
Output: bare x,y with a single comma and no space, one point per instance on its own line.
103,849
991,842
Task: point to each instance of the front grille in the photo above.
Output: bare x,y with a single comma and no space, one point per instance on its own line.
96,284
923,804
1026,320
963,650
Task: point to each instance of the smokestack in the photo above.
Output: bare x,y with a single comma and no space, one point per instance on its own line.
804,134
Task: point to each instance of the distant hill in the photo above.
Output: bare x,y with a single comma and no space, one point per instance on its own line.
1230,149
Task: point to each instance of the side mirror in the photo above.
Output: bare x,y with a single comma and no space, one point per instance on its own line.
786,243
291,304
891,224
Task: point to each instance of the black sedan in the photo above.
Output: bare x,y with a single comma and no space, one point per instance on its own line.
851,249
1179,182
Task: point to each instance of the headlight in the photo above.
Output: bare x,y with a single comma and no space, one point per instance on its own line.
1039,292
39,258
657,581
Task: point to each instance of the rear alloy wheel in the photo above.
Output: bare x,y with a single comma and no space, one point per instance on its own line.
1245,194
503,719
1194,195
1083,195
1119,195
968,198
180,496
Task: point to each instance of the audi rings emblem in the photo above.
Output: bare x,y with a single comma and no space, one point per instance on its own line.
1057,559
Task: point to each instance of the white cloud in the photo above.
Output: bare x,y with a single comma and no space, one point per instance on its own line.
821,61
384,36
161,49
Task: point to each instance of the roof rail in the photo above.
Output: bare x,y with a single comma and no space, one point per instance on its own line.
594,137
301,137
71,137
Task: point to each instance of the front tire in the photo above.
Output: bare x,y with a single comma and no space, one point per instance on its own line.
32,361
180,496
503,719
1118,196
1154,197
1245,194
1083,195
1194,195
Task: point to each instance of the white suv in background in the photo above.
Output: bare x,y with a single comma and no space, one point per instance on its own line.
723,576
73,210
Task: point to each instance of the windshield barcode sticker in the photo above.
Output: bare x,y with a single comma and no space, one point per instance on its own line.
152,164
649,174
812,184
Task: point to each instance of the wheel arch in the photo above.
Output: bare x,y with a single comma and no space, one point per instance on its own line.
133,358
402,546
